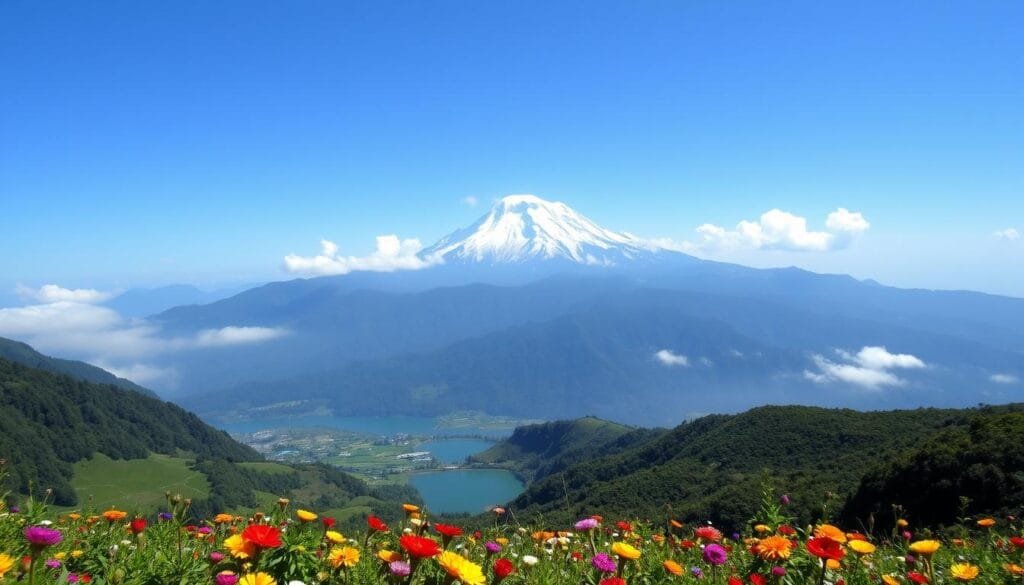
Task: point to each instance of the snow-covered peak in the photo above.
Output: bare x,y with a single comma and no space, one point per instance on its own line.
526,227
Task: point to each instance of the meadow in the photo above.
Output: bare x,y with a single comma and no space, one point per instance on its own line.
284,545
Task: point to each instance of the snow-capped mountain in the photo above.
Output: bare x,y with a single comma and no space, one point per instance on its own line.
525,227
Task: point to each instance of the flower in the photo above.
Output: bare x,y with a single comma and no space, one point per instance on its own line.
861,547
825,548
447,530
418,546
41,536
262,535
1017,541
625,551
239,547
216,557
613,581
773,548
226,578
964,571
986,522
458,567
530,560
708,533
334,537
328,522
831,532
503,568
305,515
890,580
410,508
673,567
916,577
925,547
399,568
585,524
114,515
389,556
604,563
137,525
260,578
343,556
376,524
223,518
762,528
6,562
1011,568
715,554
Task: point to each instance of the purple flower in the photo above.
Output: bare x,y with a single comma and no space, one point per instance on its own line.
14,510
226,578
41,536
586,524
696,572
779,571
492,547
72,578
399,568
204,530
784,499
715,554
53,563
911,560
164,516
216,557
604,563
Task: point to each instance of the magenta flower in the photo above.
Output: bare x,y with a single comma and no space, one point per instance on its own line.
715,554
216,557
226,578
779,571
399,568
604,563
586,524
41,536
492,547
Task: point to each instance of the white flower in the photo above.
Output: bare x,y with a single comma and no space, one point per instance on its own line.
45,522
530,560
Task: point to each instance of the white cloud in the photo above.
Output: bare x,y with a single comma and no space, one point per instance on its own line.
470,201
668,358
391,254
142,374
1003,378
52,293
869,368
1007,234
777,230
237,335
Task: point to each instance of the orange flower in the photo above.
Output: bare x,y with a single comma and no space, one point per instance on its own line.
829,531
673,567
773,548
114,515
986,522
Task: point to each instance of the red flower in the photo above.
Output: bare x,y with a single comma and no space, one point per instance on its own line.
787,530
825,548
623,526
503,568
708,533
418,546
756,579
613,581
262,535
376,524
734,580
916,577
1017,541
447,530
687,543
577,555
138,525
328,522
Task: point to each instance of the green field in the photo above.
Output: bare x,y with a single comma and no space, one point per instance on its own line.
136,484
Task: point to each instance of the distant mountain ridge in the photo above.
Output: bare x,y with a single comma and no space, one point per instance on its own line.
22,353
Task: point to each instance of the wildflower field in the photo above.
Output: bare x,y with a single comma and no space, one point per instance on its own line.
289,546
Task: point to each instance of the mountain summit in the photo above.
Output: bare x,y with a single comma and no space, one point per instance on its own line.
520,228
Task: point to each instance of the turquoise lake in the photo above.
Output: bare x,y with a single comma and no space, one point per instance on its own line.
449,451
466,490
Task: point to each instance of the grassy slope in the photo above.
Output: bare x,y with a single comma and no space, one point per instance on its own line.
135,484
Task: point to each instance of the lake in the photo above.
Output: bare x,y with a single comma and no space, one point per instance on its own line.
466,490
450,451
374,425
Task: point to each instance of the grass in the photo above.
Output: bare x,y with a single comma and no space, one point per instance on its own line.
266,467
137,485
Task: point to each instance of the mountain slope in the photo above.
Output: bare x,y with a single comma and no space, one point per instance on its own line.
23,353
49,421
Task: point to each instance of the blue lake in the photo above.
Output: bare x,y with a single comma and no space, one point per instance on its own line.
374,425
466,490
454,450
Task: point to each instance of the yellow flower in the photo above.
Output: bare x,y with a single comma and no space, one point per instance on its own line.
902,523
861,547
626,551
74,516
773,548
223,518
832,564
830,531
987,522
6,562
410,508
114,515
461,568
305,515
925,547
761,528
1014,569
334,536
257,579
60,556
890,580
77,553
501,540
964,571
239,547
345,555
389,556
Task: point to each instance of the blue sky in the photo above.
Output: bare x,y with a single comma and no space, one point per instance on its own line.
143,144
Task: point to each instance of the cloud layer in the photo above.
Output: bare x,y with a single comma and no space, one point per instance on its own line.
869,368
391,254
1010,234
780,230
667,357
52,293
